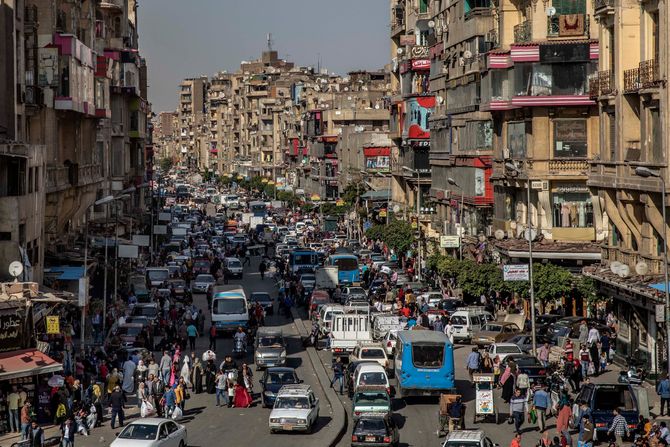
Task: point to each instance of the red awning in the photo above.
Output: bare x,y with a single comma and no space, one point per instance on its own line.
26,362
377,151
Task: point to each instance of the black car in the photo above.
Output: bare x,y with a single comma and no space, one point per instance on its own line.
530,365
376,430
272,381
349,375
603,398
264,299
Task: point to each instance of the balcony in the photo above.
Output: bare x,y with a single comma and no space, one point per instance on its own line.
649,74
568,165
523,32
603,6
631,80
114,6
601,84
568,25
63,177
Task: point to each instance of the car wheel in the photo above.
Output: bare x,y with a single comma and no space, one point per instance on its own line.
182,444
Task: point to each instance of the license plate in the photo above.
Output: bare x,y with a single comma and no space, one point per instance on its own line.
287,427
370,439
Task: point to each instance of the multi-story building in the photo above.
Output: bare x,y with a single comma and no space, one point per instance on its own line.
632,101
192,101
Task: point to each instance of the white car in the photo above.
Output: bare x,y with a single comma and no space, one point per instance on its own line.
374,352
234,267
502,350
308,280
390,342
296,408
152,432
202,282
472,438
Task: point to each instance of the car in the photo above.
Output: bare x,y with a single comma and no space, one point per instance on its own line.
203,282
370,399
273,380
450,305
432,298
308,280
495,333
377,260
318,299
149,310
502,350
602,398
523,341
239,239
370,351
179,287
370,374
530,365
296,408
152,432
467,438
264,299
234,267
371,429
353,293
389,342
349,374
269,347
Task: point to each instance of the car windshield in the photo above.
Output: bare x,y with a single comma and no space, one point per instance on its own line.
260,297
372,353
145,311
288,402
527,361
204,278
507,349
281,378
306,259
492,328
372,378
356,291
139,431
462,444
158,275
371,398
270,341
304,278
375,426
236,264
129,331
228,306
427,355
346,264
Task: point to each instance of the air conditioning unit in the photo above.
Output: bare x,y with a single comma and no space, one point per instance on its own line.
506,154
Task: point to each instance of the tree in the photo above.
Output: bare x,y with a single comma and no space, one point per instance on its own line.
551,282
166,164
399,236
352,192
375,232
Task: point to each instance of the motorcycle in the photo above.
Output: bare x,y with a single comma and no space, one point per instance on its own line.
558,385
632,376
240,348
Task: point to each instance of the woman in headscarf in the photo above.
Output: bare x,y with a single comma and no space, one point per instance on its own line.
507,382
186,371
242,396
210,375
196,376
141,372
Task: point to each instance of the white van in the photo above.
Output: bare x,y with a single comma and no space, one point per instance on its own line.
467,320
371,374
326,315
229,308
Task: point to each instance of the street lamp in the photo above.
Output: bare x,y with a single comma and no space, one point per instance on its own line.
645,172
514,168
460,217
418,214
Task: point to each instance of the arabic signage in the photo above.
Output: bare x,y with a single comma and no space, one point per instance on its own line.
515,272
419,52
53,325
408,41
421,64
11,330
450,241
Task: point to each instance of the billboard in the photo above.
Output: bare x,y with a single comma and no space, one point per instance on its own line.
417,116
515,272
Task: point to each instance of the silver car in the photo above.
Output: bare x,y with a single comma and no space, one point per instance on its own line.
202,283
296,408
270,349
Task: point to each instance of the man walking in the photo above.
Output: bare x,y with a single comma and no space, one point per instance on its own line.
13,406
541,403
165,364
116,402
338,374
192,332
517,408
473,363
619,427
25,420
36,435
212,337
67,433
663,391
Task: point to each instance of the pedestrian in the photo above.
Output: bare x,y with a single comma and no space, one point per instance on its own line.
212,337
541,403
128,383
517,409
36,435
583,332
587,435
117,404
619,427
563,423
196,376
221,388
584,360
67,431
13,400
25,420
516,441
262,267
169,401
663,391
543,354
473,362
338,374
192,332
165,366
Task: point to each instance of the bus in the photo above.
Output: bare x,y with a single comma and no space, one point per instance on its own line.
347,265
424,364
229,308
303,260
258,209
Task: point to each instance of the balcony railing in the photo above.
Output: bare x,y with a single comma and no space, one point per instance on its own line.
594,86
568,165
112,5
631,80
523,32
600,5
649,73
606,82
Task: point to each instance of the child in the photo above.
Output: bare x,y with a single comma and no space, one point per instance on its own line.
603,361
231,393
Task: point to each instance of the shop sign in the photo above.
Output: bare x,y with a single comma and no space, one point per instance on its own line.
11,331
450,241
53,325
407,41
417,143
419,52
515,272
421,64
383,212
339,202
660,313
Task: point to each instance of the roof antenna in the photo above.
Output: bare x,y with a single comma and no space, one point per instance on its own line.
270,41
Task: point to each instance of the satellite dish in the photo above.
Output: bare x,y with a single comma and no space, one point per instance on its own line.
467,54
431,24
15,269
530,235
377,106
614,267
551,11
439,99
499,234
641,268
624,271
399,51
396,209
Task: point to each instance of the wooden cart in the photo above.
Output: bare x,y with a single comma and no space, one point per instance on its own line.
443,413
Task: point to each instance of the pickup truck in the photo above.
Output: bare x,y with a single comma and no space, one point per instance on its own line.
326,277
347,331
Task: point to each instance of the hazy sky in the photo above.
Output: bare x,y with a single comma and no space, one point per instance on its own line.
189,38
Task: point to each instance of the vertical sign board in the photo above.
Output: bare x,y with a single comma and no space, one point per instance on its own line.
516,272
128,251
141,240
53,325
12,329
82,295
450,241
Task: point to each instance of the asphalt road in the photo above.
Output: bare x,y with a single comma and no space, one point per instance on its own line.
207,423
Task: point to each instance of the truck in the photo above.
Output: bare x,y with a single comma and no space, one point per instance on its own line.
229,308
347,331
326,277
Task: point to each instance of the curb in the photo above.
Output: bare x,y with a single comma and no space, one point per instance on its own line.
339,413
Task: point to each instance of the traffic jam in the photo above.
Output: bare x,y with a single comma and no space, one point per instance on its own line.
396,332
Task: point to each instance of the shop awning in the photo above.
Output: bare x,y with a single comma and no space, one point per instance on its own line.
26,362
376,195
66,273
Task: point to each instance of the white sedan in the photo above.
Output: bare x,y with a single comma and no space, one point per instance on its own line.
152,432
502,350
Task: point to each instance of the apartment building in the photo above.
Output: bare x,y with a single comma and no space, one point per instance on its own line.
629,171
192,114
412,104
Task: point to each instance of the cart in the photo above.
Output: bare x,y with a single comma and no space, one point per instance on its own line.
443,413
484,397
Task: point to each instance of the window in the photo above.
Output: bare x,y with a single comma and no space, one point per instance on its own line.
31,180
655,148
570,138
12,176
572,207
427,355
537,79
172,427
476,135
516,139
423,6
569,6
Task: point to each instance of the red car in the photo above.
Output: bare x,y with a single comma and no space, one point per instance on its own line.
318,298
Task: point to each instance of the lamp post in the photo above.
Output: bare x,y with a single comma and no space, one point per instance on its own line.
418,215
122,195
460,217
513,168
642,171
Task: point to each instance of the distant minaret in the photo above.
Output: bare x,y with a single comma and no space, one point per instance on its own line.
270,42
